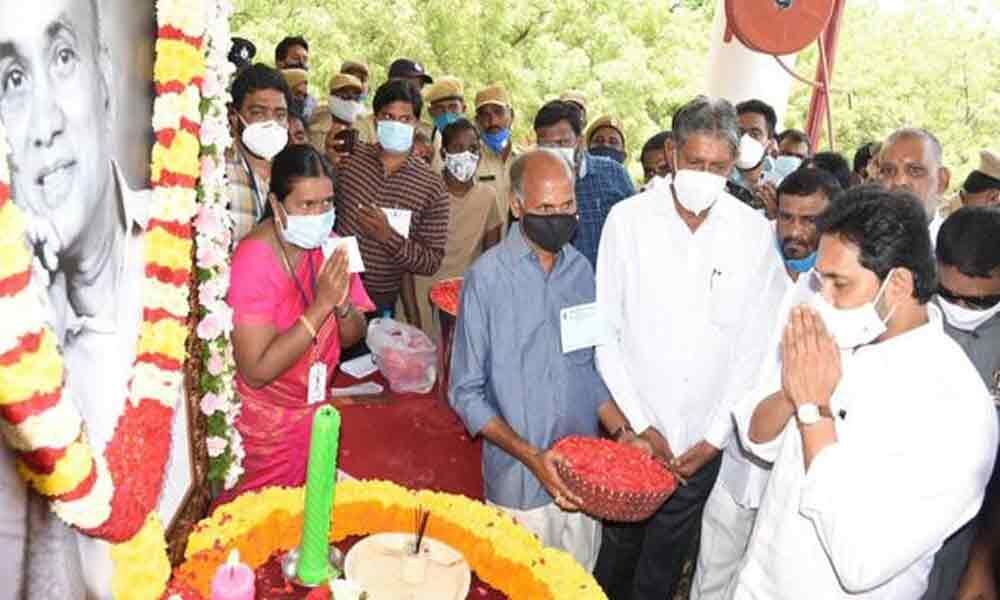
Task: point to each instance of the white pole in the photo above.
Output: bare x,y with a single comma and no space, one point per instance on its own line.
738,73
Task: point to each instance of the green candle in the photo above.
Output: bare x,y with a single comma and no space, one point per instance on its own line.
314,550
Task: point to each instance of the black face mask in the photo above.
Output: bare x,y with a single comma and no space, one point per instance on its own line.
613,153
550,232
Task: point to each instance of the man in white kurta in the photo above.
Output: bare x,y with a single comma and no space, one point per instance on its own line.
878,460
691,295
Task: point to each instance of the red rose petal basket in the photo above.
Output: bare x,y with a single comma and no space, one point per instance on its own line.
445,295
616,482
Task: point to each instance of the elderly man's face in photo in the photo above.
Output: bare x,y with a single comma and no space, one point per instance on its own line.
55,105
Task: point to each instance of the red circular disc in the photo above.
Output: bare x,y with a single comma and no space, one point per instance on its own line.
778,26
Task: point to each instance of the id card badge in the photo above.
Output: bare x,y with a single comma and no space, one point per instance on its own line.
317,383
583,326
399,220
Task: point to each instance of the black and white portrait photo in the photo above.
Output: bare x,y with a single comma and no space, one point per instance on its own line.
76,100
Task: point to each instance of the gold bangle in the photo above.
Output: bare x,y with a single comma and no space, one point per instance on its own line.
342,314
308,325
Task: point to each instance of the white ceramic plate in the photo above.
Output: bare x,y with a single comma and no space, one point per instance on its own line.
376,563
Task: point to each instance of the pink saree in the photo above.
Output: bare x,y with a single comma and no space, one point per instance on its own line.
275,420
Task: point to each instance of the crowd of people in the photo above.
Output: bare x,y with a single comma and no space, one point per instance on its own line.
811,346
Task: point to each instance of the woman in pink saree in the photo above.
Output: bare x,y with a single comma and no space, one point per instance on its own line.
292,309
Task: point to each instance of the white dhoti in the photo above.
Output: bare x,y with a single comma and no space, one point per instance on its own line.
574,532
725,535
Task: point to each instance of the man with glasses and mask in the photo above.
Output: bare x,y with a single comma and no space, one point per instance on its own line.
512,381
881,433
600,181
689,279
968,262
259,116
58,102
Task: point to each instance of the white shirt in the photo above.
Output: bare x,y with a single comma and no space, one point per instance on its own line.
915,447
691,314
935,227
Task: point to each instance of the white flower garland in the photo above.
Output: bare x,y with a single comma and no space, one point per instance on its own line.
213,235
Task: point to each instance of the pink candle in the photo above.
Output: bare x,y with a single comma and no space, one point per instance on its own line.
233,581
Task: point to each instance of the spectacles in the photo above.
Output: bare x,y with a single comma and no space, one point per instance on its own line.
974,302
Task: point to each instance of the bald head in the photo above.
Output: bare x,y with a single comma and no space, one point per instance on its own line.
541,182
911,160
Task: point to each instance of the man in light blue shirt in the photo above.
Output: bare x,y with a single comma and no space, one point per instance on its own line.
511,382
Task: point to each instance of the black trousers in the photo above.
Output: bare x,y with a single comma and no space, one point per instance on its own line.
644,561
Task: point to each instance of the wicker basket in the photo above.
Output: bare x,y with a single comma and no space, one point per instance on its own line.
446,295
615,504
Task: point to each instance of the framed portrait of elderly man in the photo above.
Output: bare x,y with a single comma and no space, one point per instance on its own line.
76,99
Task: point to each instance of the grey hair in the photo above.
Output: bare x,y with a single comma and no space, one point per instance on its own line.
705,115
520,165
915,133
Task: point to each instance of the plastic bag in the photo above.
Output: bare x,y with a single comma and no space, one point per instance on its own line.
404,354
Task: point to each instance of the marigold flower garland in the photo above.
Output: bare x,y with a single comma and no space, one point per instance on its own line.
503,554
213,231
113,495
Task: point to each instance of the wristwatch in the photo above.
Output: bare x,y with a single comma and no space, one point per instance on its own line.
810,414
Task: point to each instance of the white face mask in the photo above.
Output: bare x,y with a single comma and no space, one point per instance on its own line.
264,138
568,154
308,231
966,319
697,191
462,166
345,110
751,153
853,327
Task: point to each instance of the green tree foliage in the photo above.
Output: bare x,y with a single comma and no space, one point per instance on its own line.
933,65
641,59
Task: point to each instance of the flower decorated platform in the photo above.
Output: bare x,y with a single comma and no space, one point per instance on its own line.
502,554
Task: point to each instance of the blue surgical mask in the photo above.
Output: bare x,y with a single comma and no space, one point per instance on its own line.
394,136
798,265
442,121
785,165
308,231
736,177
497,141
801,265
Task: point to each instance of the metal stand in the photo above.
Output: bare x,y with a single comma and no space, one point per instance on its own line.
290,563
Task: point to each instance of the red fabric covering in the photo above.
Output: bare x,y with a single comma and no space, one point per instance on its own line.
415,440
